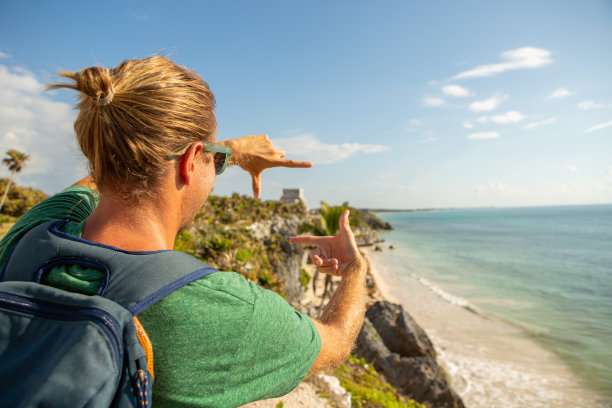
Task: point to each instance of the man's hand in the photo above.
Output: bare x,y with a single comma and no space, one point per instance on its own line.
256,153
333,255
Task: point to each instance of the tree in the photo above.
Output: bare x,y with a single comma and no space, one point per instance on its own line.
15,161
328,225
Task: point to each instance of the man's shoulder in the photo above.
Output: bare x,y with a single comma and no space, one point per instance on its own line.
74,204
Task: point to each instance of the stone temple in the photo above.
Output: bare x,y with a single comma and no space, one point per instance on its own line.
291,195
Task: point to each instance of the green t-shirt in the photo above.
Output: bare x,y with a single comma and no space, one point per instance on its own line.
218,342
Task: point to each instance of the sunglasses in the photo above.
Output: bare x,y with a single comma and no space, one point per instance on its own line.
221,157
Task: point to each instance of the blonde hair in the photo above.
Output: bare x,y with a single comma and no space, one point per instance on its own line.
131,118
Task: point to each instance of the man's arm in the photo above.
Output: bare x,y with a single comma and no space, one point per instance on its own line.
341,320
343,316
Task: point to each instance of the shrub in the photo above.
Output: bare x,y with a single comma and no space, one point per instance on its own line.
220,243
20,199
244,254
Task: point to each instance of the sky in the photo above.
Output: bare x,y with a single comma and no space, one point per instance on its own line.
399,104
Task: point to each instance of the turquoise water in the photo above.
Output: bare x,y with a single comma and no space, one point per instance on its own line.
546,269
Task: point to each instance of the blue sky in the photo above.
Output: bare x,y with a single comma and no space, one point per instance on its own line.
400,104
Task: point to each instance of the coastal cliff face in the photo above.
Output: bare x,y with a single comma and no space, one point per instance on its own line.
401,350
287,267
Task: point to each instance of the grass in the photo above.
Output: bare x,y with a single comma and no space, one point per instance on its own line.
368,388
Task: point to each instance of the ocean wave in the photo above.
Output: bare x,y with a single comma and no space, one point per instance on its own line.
447,297
480,381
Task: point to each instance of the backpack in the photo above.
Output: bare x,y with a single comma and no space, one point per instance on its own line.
64,349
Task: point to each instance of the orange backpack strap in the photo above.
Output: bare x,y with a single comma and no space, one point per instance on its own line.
146,344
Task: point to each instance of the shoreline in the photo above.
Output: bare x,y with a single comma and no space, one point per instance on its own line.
490,362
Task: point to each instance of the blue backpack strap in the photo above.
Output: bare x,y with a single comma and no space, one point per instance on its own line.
135,280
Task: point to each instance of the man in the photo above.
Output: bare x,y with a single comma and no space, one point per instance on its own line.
148,131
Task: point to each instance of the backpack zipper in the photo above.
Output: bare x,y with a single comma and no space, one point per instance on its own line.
141,388
57,311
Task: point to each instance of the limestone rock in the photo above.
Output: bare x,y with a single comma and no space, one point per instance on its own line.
365,236
422,379
376,223
400,333
418,377
333,389
288,269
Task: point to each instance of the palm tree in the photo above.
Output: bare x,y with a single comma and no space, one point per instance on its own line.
15,160
328,225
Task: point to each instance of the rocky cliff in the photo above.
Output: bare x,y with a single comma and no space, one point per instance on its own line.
288,267
401,350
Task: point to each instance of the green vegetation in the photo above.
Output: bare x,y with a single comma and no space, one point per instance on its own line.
18,199
15,161
368,388
220,237
304,279
327,222
245,210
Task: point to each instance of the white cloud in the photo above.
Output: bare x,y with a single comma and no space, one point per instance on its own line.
559,93
432,101
540,123
467,124
508,117
597,127
587,105
32,122
571,168
307,146
520,58
482,119
4,55
484,135
456,91
488,104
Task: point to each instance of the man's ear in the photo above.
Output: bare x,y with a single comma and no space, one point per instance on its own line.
190,162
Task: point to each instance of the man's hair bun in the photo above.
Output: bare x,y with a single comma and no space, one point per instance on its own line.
96,83
133,117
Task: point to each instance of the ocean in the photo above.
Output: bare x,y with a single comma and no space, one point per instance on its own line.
546,270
